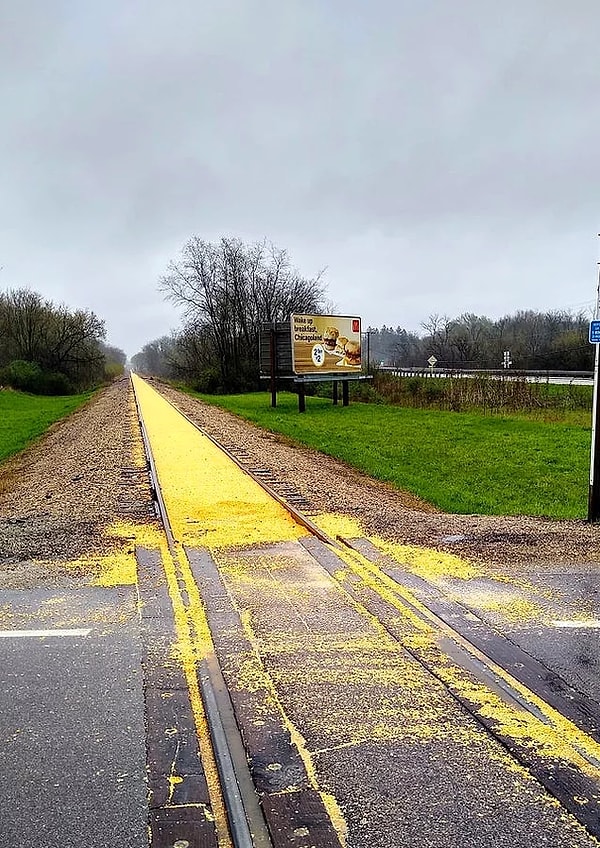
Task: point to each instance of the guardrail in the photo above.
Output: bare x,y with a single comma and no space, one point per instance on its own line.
499,373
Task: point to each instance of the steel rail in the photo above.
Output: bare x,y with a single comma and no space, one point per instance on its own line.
247,826
566,784
480,663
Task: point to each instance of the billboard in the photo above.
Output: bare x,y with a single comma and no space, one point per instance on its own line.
323,344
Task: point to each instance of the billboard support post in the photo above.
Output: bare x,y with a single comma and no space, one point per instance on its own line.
301,398
272,343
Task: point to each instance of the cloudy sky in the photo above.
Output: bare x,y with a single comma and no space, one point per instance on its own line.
434,155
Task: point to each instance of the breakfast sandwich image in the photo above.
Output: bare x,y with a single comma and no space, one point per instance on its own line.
330,338
352,353
341,345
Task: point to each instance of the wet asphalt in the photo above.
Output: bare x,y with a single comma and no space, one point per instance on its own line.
405,762
551,611
72,720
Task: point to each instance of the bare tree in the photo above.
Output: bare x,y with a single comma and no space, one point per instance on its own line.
227,290
438,329
56,340
468,339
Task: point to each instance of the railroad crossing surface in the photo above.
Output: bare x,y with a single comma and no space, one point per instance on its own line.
265,681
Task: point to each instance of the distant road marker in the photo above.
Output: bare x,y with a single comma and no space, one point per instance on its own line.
589,624
13,634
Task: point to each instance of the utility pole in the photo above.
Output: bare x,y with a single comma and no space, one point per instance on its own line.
594,492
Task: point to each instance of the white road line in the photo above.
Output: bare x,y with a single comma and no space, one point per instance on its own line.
12,634
587,624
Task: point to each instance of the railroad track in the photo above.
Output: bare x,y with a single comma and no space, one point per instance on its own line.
475,663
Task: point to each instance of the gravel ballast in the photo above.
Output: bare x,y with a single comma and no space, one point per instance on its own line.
59,496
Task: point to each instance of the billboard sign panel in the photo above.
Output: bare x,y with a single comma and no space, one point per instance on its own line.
323,344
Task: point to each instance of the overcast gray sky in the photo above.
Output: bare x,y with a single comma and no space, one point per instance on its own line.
435,155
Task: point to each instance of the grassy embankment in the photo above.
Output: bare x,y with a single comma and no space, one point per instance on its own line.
463,462
24,417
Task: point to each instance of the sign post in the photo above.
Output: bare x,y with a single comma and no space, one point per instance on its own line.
272,362
594,491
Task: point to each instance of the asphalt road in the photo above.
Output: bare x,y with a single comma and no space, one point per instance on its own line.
71,720
551,610
540,377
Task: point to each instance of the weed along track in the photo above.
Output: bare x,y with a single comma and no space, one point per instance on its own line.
304,689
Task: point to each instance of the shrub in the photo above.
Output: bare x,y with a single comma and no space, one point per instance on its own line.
112,370
434,393
55,383
29,377
414,386
208,382
365,392
23,375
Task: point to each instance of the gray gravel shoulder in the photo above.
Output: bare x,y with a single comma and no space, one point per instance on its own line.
58,496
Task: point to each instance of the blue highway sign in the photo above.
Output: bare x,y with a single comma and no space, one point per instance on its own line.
594,332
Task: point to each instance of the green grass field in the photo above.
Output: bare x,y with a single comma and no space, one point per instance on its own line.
461,462
24,417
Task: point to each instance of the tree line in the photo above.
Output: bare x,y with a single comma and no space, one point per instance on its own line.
228,289
49,349
526,340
